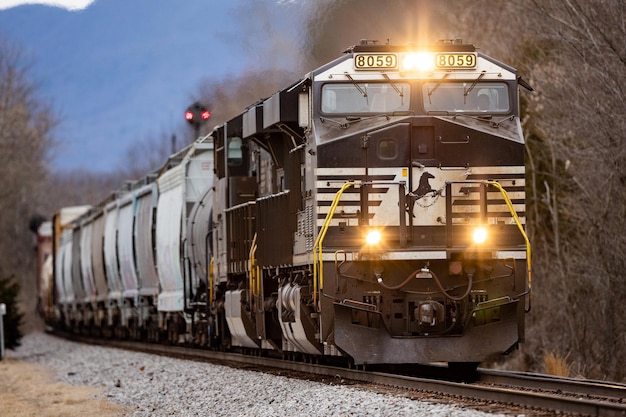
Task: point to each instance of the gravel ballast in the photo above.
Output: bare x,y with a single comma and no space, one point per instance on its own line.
151,385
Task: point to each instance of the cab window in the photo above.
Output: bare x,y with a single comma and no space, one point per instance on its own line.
363,97
466,97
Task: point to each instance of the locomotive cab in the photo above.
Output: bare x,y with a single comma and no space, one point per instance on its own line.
438,173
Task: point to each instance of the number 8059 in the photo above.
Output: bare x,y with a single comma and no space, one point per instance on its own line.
375,61
455,60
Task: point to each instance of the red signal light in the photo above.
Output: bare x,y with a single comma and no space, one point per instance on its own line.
197,114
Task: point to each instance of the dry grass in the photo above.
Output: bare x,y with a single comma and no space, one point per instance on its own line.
556,365
28,389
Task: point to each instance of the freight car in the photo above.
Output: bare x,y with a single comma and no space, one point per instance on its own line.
373,210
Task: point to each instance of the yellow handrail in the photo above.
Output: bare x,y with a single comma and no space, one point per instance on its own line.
211,280
318,277
253,279
508,202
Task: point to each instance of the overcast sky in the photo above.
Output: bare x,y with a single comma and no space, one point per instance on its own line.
65,4
119,71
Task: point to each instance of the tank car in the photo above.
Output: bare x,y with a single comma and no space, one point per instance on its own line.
121,267
182,184
375,210
67,306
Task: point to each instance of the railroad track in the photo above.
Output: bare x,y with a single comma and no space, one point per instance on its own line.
543,393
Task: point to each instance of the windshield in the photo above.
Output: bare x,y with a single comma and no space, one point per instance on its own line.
466,97
359,97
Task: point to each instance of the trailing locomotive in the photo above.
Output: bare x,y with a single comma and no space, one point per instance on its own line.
372,210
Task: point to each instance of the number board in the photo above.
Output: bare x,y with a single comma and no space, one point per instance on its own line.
375,61
449,61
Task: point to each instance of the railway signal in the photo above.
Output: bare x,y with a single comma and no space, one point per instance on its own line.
197,114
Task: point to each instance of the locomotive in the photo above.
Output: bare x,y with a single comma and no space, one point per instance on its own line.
373,210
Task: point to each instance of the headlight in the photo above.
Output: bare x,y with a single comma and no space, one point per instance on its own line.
373,237
479,235
418,62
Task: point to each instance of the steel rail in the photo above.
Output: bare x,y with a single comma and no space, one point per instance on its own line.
565,386
533,391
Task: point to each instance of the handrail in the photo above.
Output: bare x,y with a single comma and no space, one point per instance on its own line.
251,282
254,282
209,266
509,204
318,276
186,267
211,280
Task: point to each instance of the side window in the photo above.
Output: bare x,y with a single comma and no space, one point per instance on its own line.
235,158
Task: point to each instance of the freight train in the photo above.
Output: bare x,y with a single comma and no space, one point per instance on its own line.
373,210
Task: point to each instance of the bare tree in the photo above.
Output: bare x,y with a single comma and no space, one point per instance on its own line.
26,123
148,155
578,60
228,97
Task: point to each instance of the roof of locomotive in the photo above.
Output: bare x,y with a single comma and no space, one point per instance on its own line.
445,46
449,45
